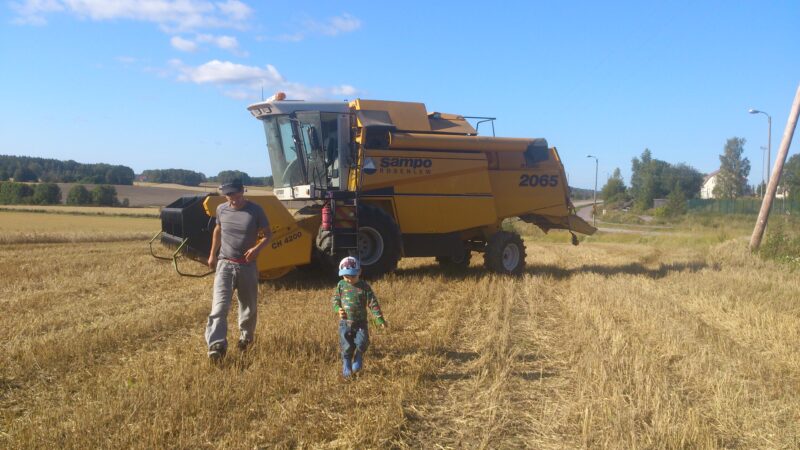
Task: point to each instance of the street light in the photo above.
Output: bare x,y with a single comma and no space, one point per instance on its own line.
765,180
594,196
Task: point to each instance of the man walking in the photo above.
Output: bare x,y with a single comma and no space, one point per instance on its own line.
236,238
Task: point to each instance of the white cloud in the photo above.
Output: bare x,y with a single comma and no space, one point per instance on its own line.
336,25
170,15
332,26
126,60
235,9
31,12
228,43
182,44
245,82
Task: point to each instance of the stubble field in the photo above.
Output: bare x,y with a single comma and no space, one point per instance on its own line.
684,341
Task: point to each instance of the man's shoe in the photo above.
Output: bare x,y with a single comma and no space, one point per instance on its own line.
358,362
346,368
216,352
243,344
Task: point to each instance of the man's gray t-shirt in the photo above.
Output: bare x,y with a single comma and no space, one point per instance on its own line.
239,228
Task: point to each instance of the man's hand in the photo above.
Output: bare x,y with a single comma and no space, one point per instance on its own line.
342,314
251,254
212,262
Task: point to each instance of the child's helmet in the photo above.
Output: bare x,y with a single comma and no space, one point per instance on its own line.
349,266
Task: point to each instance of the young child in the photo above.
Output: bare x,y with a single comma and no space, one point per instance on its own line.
350,301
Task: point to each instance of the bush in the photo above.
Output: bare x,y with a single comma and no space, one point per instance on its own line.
46,194
780,244
105,195
12,193
79,195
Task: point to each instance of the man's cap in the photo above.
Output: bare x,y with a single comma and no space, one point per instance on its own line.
232,187
349,266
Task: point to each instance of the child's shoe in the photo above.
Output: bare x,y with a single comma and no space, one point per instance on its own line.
347,369
358,362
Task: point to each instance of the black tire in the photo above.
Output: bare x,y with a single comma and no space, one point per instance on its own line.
455,263
505,253
379,235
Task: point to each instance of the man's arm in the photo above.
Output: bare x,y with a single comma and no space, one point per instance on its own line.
215,242
252,253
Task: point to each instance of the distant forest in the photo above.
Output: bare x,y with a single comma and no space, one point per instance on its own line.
27,169
43,170
191,178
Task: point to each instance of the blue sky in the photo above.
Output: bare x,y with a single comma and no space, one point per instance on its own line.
164,84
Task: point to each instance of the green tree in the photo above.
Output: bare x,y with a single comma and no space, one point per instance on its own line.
79,195
614,189
177,176
791,176
104,195
46,194
226,176
23,174
12,193
688,178
733,170
676,201
119,175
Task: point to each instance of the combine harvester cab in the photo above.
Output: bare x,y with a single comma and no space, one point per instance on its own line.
385,180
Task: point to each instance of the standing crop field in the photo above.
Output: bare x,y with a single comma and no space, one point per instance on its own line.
623,342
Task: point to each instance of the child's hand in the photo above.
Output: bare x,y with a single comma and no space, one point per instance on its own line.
342,314
384,325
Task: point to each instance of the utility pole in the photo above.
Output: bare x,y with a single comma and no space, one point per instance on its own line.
772,186
769,143
594,195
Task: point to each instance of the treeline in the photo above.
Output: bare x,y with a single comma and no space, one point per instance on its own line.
227,176
653,179
27,169
192,178
13,193
175,176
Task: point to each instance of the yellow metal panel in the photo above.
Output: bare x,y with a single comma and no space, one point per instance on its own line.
430,172
443,214
450,123
404,115
401,140
539,190
290,244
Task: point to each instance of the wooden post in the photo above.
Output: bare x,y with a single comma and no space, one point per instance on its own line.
772,187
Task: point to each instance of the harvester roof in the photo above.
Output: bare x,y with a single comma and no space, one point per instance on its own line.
401,116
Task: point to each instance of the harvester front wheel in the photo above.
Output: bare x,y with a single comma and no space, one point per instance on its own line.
505,253
379,242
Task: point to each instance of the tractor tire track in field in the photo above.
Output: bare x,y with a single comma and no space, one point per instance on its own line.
490,390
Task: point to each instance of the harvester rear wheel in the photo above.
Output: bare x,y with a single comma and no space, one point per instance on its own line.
505,253
456,263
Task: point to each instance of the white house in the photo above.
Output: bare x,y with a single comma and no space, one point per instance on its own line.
707,190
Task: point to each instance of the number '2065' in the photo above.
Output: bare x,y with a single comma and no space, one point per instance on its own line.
538,180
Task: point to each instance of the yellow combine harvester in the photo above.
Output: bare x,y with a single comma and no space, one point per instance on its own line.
386,180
